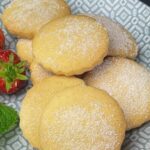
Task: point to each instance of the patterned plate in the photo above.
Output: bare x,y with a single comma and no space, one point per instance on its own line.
134,16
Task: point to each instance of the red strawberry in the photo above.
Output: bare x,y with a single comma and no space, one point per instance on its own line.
2,39
12,72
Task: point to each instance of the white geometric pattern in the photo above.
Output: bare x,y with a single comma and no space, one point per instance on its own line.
134,16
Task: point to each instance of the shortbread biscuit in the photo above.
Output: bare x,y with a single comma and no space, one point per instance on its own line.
24,50
38,73
24,18
71,45
129,83
82,118
35,102
122,42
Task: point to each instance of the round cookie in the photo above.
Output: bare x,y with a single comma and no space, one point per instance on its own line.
24,18
38,73
24,50
71,45
35,102
129,83
82,118
121,41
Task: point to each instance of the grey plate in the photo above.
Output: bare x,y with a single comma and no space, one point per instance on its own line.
134,16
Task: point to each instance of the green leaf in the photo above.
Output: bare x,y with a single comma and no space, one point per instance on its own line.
8,85
10,71
1,64
2,74
21,77
11,58
21,64
21,70
8,118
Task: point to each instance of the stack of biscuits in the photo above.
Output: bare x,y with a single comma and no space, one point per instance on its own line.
88,90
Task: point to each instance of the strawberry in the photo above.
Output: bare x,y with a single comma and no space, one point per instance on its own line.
12,72
2,39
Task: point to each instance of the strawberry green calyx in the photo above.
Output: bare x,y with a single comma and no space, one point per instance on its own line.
10,72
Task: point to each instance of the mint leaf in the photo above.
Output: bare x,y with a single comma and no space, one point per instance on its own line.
8,118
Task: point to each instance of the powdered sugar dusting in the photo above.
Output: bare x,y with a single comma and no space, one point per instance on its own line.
128,83
121,42
38,73
24,50
72,40
82,30
40,10
76,128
